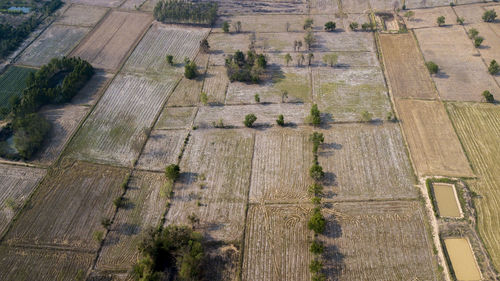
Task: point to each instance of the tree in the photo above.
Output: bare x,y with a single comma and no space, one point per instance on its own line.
478,41
489,16
315,266
98,236
29,134
106,222
257,98
172,172
409,15
316,172
315,116
353,26
225,27
204,46
488,97
288,59
317,222
317,247
315,189
299,45
310,56
308,23
330,59
237,27
317,139
249,120
300,59
460,20
473,33
309,39
367,26
330,26
494,67
284,95
281,120
366,116
190,69
204,98
170,59
432,67
440,20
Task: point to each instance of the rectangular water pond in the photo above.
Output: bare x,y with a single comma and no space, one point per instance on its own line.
462,259
447,201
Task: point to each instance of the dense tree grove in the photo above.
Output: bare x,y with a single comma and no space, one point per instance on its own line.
247,68
174,11
172,249
11,37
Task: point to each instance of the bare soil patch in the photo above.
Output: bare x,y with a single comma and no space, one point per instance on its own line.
428,17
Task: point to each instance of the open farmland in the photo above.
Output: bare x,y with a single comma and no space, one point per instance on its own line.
145,207
162,148
378,241
16,184
214,184
479,130
104,3
406,71
428,17
82,15
433,143
118,126
112,39
55,41
44,264
215,84
13,82
176,118
67,207
471,13
345,93
276,243
462,76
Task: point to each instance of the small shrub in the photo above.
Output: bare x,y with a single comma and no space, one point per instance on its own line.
366,116
489,16
330,26
204,46
315,189
317,222
432,67
257,98
316,172
488,97
440,20
98,236
281,120
315,266
494,67
225,27
317,247
316,200
218,124
190,69
166,189
409,15
460,20
172,172
318,277
390,116
204,98
12,204
170,59
249,120
308,23
106,223
119,201
473,33
478,41
353,26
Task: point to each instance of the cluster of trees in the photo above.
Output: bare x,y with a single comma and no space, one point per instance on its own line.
474,35
247,68
226,25
11,37
174,11
173,249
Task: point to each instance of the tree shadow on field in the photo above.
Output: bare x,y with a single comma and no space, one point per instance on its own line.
187,178
442,75
330,179
334,259
327,149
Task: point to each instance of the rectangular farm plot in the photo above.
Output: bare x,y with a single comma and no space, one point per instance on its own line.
16,184
42,264
145,207
162,40
365,162
68,206
216,84
162,148
104,3
82,15
378,241
428,17
462,259
132,4
345,93
263,22
433,144
117,127
176,118
463,75
108,44
416,4
55,41
13,82
214,183
446,199
479,130
406,71
344,41
187,92
277,243
471,13
355,6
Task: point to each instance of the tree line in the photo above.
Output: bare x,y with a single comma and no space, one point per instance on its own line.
174,11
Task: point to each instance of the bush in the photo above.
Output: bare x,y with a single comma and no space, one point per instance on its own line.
330,26
257,98
225,27
494,67
478,41
473,33
98,236
281,120
432,67
488,97
106,223
366,116
119,201
316,200
317,222
368,26
204,46
316,172
172,172
317,139
170,59
460,20
315,189
489,16
440,20
190,69
315,266
317,247
353,25
204,98
174,11
330,59
29,133
249,120
308,23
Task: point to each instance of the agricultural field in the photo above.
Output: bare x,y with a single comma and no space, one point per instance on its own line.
132,4
378,241
162,148
408,77
119,124
110,42
433,143
471,13
67,207
425,18
16,185
214,184
55,41
479,131
176,118
104,3
13,82
463,76
81,15
215,84
146,204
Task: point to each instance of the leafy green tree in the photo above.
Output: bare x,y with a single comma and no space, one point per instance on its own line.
309,39
317,247
170,59
204,98
432,67
174,11
29,133
249,120
190,69
310,56
315,189
257,98
315,266
308,23
489,16
330,26
316,172
172,172
353,26
281,120
440,20
488,97
368,26
317,222
473,33
317,139
460,20
204,46
478,41
98,236
237,27
330,59
315,116
494,67
225,27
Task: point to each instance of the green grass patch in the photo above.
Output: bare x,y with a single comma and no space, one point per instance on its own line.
296,85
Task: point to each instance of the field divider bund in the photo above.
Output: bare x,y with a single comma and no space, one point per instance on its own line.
54,247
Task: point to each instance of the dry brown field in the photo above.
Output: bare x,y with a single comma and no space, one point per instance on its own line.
471,13
433,143
408,77
463,76
108,44
478,128
176,118
428,17
215,84
132,4
82,15
162,148
490,49
67,207
104,3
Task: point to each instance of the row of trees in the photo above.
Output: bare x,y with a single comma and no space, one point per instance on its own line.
11,37
174,11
